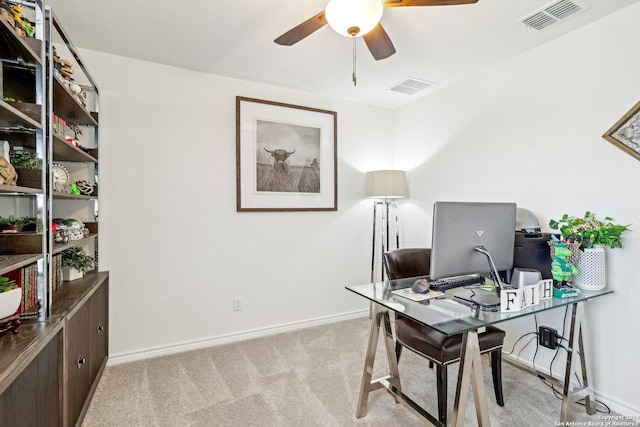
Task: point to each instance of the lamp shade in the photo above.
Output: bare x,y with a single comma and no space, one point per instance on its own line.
353,17
386,184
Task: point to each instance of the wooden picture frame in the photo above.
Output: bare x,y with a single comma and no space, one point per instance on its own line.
625,134
286,157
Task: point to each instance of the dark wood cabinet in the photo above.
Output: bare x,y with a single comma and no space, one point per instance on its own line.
99,320
33,397
49,370
77,356
86,336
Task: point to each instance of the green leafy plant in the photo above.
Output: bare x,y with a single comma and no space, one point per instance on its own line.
7,284
76,258
24,160
23,223
589,230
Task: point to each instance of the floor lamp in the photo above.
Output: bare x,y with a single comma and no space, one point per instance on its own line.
385,185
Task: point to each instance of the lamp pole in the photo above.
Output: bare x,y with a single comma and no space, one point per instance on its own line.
386,209
385,185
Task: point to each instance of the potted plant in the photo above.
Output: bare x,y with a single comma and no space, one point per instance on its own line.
76,263
10,297
592,236
28,168
589,231
12,224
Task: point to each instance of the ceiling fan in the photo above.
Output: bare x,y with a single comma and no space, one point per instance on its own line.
358,18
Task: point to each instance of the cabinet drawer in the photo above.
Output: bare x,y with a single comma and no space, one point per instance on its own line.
99,333
33,399
77,362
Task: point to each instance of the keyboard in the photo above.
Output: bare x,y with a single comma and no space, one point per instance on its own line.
455,282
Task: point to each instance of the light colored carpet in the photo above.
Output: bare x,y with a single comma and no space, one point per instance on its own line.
309,377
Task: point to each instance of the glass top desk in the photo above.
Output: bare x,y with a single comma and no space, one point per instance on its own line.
450,317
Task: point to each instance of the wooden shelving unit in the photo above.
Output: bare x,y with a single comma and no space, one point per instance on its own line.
65,152
66,105
13,117
50,368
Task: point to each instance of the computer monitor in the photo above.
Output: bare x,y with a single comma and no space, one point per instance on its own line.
472,237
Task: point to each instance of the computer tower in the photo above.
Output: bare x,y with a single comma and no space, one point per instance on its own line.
531,250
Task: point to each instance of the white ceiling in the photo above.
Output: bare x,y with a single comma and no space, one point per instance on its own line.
440,44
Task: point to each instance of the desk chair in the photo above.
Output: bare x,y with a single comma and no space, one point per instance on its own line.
425,341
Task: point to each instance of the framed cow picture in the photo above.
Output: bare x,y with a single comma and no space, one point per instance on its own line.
285,157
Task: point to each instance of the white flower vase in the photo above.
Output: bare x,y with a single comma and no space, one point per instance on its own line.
70,273
592,269
10,302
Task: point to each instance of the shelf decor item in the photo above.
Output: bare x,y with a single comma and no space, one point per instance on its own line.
285,157
69,274
76,259
11,224
8,175
85,187
61,178
593,236
625,134
28,167
10,299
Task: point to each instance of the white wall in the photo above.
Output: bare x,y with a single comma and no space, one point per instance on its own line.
529,131
178,251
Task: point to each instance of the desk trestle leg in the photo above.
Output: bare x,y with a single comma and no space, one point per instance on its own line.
576,341
470,369
381,318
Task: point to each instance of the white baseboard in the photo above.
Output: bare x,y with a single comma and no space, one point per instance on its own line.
624,409
119,358
621,408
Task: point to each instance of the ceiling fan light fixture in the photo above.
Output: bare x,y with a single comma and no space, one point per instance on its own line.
353,18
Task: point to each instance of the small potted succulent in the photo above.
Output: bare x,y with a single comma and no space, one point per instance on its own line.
76,263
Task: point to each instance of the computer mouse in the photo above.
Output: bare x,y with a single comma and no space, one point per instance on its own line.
420,286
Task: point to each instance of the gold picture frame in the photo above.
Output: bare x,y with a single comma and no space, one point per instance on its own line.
286,157
625,134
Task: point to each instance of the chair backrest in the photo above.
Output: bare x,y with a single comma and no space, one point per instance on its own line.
407,262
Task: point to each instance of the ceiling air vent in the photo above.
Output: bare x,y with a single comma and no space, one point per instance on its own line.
552,13
411,86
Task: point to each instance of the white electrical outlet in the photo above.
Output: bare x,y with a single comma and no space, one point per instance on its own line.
237,304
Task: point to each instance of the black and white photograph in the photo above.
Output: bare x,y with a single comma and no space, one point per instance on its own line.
287,158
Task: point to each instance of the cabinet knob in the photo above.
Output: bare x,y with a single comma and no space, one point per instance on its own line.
81,361
99,329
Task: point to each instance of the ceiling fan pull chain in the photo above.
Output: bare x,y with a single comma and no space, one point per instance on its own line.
354,62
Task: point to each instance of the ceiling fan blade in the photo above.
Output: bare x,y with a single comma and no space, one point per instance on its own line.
301,31
379,43
401,3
